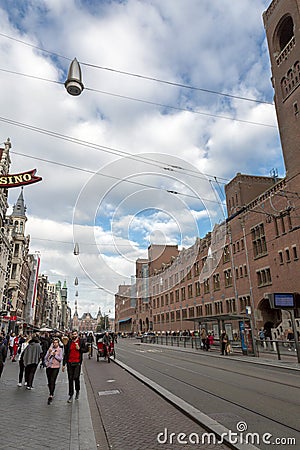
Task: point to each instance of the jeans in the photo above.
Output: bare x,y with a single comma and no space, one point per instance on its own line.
73,377
29,373
21,371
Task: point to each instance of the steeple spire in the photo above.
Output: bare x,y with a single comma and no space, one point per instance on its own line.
76,312
19,209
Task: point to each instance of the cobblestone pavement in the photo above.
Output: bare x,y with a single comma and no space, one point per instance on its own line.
133,415
28,423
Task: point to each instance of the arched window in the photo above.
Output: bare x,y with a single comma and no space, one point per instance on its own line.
284,87
290,74
297,71
285,32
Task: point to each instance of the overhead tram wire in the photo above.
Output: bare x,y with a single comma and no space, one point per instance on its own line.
111,150
148,102
177,108
71,243
157,80
126,245
123,180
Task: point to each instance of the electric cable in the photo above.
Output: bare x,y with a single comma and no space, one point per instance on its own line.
171,83
111,150
126,180
148,102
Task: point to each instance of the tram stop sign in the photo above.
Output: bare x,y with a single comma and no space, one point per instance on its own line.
283,300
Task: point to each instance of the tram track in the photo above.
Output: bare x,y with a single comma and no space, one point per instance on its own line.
207,392
242,373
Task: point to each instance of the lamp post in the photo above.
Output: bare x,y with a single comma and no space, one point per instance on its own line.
252,314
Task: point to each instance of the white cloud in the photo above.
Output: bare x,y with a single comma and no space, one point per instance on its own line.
163,40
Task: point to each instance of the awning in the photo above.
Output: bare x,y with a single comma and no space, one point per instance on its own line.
219,317
128,319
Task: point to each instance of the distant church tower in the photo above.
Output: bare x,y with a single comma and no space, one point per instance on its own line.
282,25
64,305
75,320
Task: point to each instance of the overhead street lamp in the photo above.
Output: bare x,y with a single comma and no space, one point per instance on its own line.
73,83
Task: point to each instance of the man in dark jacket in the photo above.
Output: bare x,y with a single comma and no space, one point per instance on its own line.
3,353
90,341
73,360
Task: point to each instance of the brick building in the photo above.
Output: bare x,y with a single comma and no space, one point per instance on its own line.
229,273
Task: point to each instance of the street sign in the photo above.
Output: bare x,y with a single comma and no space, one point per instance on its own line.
282,300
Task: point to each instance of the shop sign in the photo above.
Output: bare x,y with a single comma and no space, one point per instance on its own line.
19,179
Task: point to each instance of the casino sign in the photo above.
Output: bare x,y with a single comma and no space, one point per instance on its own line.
19,179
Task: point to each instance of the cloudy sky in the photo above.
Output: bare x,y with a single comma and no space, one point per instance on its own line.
177,98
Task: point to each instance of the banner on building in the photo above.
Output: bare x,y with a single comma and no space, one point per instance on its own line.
19,179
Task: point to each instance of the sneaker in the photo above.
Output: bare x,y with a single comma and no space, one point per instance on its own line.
50,398
77,396
70,399
29,387
19,384
25,384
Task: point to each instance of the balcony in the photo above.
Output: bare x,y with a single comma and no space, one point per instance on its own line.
286,51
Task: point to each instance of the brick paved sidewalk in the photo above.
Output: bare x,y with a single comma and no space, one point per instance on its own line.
133,415
28,423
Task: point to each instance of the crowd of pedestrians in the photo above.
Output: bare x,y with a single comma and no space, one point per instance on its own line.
51,351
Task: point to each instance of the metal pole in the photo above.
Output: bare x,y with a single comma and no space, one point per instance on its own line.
253,323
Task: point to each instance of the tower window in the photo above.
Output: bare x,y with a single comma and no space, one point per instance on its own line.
285,32
296,108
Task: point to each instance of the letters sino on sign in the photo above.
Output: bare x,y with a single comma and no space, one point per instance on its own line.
19,179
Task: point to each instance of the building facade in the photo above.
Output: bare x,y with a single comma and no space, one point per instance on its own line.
227,276
87,323
5,252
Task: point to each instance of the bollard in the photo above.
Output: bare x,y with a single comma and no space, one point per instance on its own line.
277,349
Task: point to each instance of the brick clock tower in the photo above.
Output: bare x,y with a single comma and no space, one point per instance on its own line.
282,25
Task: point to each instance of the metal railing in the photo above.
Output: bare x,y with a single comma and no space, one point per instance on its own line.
267,347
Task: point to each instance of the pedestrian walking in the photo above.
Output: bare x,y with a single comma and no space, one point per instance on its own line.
73,360
15,348
45,344
53,359
203,335
31,357
210,340
3,353
11,344
21,362
261,336
107,340
291,340
224,343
